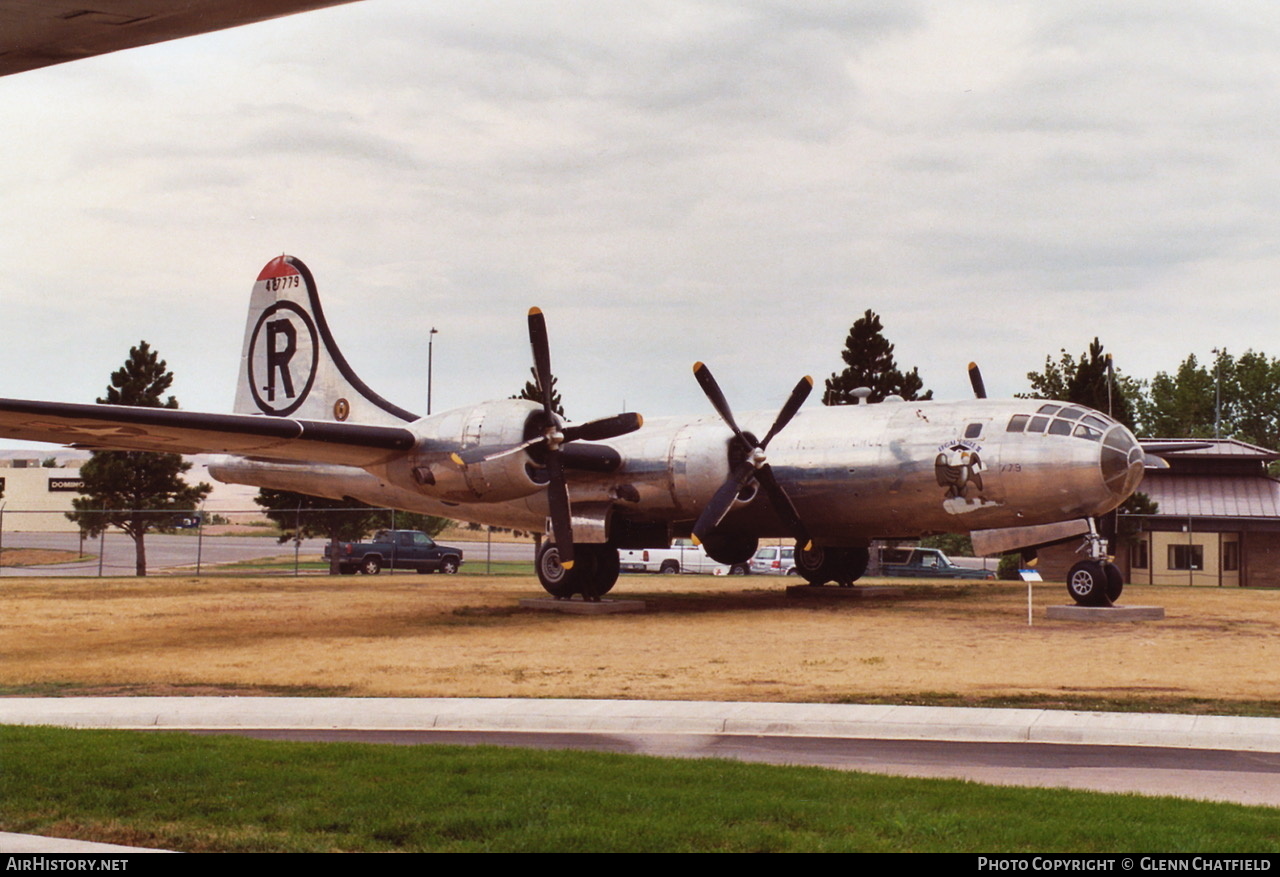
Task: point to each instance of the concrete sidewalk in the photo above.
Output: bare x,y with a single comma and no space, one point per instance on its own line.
704,717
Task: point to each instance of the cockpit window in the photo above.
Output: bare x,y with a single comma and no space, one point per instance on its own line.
1037,424
1017,423
1096,421
1060,427
1071,413
973,430
1088,432
1049,409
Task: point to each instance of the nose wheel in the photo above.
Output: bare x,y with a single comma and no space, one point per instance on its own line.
1095,581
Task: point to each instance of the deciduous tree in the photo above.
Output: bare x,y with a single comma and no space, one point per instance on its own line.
300,516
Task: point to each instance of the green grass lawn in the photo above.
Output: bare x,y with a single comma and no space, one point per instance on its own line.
199,793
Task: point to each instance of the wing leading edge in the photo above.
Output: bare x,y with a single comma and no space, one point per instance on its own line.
39,34
124,428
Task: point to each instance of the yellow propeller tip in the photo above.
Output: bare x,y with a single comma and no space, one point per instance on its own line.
696,540
698,366
972,366
535,310
568,564
455,458
808,546
809,378
639,420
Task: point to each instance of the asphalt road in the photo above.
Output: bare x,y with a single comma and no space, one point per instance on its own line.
1208,774
167,551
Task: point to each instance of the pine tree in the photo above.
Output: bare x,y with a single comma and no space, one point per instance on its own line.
1087,381
533,394
136,491
869,362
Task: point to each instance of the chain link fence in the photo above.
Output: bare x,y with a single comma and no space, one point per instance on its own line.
201,542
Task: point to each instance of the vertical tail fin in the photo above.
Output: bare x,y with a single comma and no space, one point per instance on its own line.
290,366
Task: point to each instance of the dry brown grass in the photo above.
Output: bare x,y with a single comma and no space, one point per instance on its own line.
37,556
703,638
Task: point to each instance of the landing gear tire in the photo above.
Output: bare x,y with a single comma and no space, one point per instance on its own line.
607,567
371,566
730,548
1115,582
594,573
843,566
1088,583
557,581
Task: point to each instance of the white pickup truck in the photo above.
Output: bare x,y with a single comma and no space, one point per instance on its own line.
682,557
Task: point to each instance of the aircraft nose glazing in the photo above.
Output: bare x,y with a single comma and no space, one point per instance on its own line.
1121,462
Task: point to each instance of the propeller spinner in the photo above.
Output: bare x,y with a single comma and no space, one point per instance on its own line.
754,467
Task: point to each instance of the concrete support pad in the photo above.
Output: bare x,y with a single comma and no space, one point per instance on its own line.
1105,613
576,606
857,592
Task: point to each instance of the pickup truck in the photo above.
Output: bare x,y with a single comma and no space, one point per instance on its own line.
397,549
682,557
927,563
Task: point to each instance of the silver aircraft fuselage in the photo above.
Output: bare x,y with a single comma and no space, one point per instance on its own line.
893,469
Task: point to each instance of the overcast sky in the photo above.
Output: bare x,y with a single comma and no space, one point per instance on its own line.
670,181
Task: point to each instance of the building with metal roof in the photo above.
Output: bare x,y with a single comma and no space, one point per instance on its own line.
1217,521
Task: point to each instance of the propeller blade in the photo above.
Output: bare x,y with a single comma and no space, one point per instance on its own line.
541,355
604,428
975,379
561,515
793,403
722,501
783,506
709,386
483,454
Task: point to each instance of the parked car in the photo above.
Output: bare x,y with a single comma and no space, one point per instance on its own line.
927,563
682,557
397,549
774,560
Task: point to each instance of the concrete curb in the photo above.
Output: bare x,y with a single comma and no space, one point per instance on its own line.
605,716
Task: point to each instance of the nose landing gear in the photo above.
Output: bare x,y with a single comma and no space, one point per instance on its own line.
1095,581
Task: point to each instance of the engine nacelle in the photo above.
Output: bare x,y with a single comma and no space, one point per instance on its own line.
489,424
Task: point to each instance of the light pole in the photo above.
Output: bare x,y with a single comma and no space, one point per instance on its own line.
1217,392
431,338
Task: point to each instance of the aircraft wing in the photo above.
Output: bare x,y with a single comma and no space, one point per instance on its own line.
125,428
38,33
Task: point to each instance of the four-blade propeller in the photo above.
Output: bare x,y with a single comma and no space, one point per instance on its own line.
553,436
753,467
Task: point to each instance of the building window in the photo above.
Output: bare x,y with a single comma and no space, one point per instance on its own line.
1138,555
1189,557
1230,556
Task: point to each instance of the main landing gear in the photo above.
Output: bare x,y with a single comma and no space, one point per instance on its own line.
819,565
1095,581
594,572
